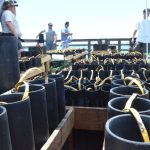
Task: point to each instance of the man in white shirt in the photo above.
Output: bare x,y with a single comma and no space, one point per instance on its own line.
9,22
66,36
143,29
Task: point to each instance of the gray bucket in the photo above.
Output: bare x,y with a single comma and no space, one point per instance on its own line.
116,105
122,133
126,91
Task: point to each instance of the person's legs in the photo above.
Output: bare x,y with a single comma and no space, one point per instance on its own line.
145,47
47,46
138,46
148,47
63,45
67,44
52,46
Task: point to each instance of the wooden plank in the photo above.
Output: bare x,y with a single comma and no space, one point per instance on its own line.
76,56
60,134
100,52
51,51
80,55
69,57
90,118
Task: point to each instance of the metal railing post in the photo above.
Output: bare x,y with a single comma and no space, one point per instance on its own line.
89,48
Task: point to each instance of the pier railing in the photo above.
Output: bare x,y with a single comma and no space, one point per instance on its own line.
120,43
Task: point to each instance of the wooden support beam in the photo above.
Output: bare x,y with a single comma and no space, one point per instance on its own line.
45,58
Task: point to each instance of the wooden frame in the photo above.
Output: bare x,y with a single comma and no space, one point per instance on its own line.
60,134
88,118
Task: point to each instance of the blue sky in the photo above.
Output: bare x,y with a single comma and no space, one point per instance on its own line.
88,19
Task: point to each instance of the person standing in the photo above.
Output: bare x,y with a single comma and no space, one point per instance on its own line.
9,23
143,30
66,36
10,47
51,37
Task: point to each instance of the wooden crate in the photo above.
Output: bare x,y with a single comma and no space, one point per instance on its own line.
86,118
43,68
